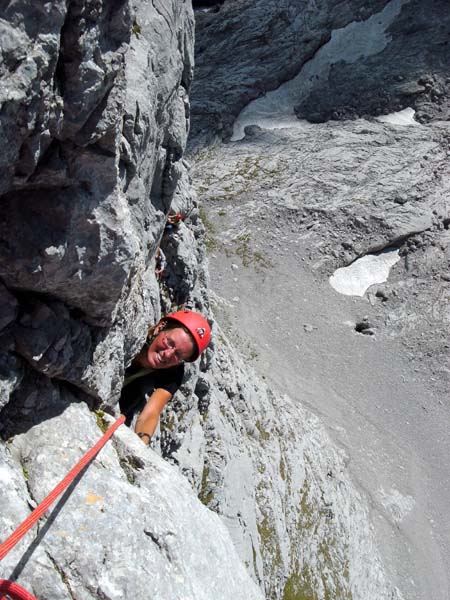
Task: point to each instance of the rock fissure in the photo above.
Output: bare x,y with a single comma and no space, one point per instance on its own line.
64,577
26,476
162,14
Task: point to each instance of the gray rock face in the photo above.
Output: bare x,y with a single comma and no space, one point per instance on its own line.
285,207
130,528
83,217
250,48
94,122
270,471
73,208
413,66
95,118
335,192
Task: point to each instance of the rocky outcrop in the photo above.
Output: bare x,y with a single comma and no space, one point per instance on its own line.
323,195
269,42
131,527
331,193
94,121
267,467
335,55
412,64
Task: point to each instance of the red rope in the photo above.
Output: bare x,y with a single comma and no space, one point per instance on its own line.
14,591
37,513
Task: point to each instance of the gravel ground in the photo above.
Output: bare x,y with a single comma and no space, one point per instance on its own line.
383,397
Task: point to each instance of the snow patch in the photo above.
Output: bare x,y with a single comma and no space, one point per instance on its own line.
349,44
402,117
355,279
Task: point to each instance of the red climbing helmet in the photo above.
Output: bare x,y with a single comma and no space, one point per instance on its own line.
197,326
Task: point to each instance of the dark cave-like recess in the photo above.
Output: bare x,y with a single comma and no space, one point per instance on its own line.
206,3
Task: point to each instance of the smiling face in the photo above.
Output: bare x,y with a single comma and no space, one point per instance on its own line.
169,348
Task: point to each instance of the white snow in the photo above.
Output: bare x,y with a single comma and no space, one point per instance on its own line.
355,279
351,43
402,117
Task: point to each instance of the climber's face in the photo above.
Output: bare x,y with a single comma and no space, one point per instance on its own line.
169,348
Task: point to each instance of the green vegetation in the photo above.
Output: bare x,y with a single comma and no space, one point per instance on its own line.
270,547
129,465
251,169
205,495
265,435
307,513
131,477
249,256
210,241
298,589
328,580
136,28
102,423
301,585
255,565
167,424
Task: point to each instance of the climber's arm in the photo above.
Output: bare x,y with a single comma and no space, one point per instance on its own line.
148,419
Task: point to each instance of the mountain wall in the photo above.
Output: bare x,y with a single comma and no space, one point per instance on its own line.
95,116
288,199
94,121
274,42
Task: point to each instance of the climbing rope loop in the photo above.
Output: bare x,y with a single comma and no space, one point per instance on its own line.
13,590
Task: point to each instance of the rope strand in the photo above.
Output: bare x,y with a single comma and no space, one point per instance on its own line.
12,589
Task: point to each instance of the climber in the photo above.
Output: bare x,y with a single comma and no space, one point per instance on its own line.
157,371
161,263
173,221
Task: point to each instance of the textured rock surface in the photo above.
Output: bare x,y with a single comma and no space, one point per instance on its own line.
413,66
285,208
301,200
269,469
400,43
95,115
335,192
130,528
269,42
95,120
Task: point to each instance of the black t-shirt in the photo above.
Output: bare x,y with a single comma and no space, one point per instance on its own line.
136,391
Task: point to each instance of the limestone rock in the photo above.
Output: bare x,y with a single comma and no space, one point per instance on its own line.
418,80
95,128
131,527
95,120
9,307
269,470
331,192
332,58
269,42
